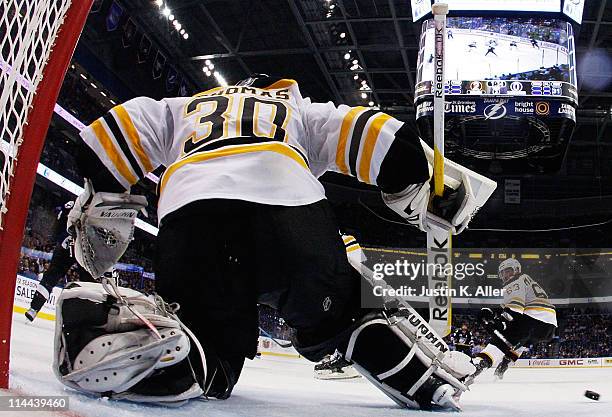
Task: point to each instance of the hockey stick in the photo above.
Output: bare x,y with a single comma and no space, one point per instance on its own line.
269,336
439,252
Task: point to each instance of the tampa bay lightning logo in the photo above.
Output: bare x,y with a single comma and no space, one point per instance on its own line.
495,111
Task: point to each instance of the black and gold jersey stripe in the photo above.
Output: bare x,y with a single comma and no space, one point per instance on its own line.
120,139
358,129
350,243
114,155
130,159
359,133
244,140
540,304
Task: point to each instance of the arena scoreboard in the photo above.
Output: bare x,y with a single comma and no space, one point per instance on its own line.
570,8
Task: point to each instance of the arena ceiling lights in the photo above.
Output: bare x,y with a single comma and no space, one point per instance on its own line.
167,12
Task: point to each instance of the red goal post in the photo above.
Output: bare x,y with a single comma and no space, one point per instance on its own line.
37,39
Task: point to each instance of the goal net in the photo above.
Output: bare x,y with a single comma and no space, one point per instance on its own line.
37,39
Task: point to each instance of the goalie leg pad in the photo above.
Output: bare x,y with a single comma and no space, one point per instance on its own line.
115,362
113,347
403,357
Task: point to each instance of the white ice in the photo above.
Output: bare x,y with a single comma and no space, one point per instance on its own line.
275,387
465,64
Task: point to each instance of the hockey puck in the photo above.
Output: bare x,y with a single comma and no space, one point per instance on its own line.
592,395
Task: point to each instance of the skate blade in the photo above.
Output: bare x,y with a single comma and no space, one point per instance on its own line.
29,317
329,375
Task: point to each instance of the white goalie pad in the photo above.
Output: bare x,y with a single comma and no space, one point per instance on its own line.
104,227
108,339
414,358
431,347
116,362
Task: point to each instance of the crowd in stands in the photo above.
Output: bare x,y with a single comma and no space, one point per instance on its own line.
562,274
74,98
548,30
554,73
273,324
586,334
34,266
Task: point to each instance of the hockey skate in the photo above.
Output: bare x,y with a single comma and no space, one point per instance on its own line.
501,369
36,304
31,314
335,367
447,397
481,363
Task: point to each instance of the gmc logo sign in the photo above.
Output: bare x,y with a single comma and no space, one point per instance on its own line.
571,362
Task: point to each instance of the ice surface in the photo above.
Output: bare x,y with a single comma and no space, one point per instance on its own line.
274,387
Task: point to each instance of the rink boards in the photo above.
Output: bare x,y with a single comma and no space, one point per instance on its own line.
565,363
24,291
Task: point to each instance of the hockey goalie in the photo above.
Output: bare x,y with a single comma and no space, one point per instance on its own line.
244,220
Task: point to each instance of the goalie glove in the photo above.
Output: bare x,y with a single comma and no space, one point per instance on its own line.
102,225
465,192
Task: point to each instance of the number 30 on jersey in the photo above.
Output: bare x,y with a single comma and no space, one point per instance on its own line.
254,117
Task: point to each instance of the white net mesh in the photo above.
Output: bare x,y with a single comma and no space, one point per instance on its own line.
28,29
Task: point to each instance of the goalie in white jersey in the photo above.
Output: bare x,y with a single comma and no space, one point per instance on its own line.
244,220
529,317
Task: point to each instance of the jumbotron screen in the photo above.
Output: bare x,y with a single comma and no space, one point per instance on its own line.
528,56
505,5
571,8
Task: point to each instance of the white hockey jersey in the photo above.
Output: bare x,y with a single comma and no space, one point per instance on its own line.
263,145
526,296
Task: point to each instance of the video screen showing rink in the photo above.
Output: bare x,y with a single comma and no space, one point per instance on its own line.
283,385
485,48
510,89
